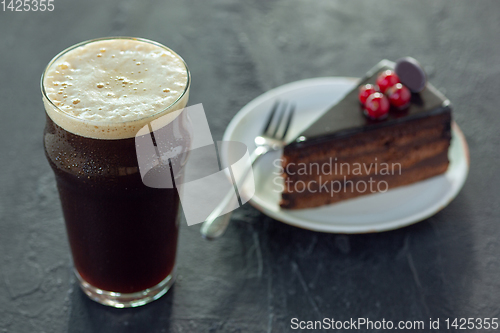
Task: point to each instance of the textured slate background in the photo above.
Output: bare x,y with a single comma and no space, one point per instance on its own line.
263,272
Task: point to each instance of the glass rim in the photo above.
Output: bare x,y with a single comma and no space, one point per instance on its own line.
145,40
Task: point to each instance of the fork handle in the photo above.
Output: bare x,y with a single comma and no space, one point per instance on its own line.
215,225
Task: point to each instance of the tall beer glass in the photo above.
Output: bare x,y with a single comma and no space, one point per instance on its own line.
97,95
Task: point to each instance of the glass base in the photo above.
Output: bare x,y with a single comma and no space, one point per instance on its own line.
122,300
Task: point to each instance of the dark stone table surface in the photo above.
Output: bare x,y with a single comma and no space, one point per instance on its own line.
262,273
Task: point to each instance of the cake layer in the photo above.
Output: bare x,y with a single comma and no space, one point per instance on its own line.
401,146
400,134
332,192
389,162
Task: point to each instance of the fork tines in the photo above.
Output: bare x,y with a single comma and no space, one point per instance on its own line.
275,126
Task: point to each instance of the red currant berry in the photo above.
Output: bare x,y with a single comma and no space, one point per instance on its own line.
399,96
377,106
365,91
387,79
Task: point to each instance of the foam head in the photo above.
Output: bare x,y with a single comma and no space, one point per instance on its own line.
110,88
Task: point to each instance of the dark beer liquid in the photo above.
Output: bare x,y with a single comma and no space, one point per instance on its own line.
123,234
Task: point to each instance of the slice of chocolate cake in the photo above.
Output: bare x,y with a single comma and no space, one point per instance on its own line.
345,153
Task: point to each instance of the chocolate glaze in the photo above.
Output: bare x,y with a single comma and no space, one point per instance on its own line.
346,117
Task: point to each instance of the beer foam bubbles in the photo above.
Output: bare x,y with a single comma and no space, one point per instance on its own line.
110,88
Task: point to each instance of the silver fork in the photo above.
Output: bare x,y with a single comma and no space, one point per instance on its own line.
272,138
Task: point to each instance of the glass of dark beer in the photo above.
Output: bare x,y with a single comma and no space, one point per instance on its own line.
97,95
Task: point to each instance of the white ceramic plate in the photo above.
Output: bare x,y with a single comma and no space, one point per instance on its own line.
393,209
